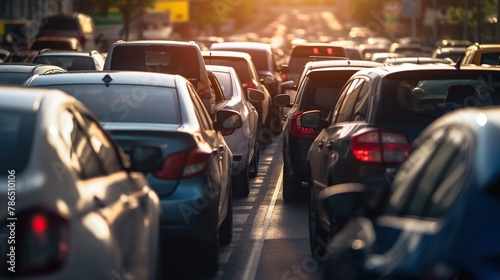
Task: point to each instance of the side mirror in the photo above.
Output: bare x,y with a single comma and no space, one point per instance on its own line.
284,68
146,158
268,80
343,202
282,100
227,119
255,95
312,119
288,85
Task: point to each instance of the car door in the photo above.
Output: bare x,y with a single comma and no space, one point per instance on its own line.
102,186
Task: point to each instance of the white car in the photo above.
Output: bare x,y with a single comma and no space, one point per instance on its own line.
72,207
242,141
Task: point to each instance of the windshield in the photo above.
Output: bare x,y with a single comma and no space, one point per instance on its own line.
128,103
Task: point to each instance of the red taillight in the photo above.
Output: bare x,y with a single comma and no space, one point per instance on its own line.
226,132
283,77
82,40
296,128
249,84
39,224
184,164
37,242
380,146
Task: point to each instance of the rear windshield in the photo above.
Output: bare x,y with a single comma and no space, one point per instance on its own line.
260,58
16,133
60,23
490,58
126,103
56,45
307,51
162,59
70,63
239,65
321,89
13,78
420,97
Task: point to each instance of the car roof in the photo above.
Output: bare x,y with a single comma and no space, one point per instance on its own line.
416,60
117,77
156,42
342,63
218,68
24,67
242,45
52,52
24,99
207,54
392,69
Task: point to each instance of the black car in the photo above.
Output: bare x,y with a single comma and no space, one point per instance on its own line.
379,112
318,90
439,220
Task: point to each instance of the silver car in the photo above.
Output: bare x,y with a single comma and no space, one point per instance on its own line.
72,206
241,141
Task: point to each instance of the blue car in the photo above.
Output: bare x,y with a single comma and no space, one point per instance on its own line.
194,184
439,220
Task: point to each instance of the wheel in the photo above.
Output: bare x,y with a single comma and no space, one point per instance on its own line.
205,257
241,184
254,164
226,228
318,237
292,187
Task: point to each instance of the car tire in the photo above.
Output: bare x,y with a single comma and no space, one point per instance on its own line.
226,228
254,164
291,188
241,184
205,257
318,237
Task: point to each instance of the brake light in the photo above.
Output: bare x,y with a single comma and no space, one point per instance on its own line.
226,132
41,243
249,84
184,164
82,40
380,146
296,128
283,77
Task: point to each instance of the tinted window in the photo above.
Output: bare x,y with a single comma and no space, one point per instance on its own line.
420,97
16,136
128,103
162,59
56,45
347,106
321,89
433,176
71,63
239,65
60,23
260,58
490,58
13,78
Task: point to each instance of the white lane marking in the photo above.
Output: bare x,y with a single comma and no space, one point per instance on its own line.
253,263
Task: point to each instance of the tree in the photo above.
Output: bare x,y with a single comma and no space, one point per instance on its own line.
130,9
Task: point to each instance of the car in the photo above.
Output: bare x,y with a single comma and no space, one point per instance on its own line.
303,53
479,54
75,200
71,60
56,43
318,90
436,219
377,115
242,141
17,73
454,53
3,54
76,25
265,59
194,183
163,56
249,79
382,56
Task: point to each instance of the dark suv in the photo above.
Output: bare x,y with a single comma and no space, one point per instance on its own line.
320,85
379,112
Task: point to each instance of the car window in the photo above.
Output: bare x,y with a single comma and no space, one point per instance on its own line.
334,113
225,83
200,111
128,103
490,58
239,65
180,60
82,156
362,104
432,177
16,137
102,146
420,97
214,83
347,107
